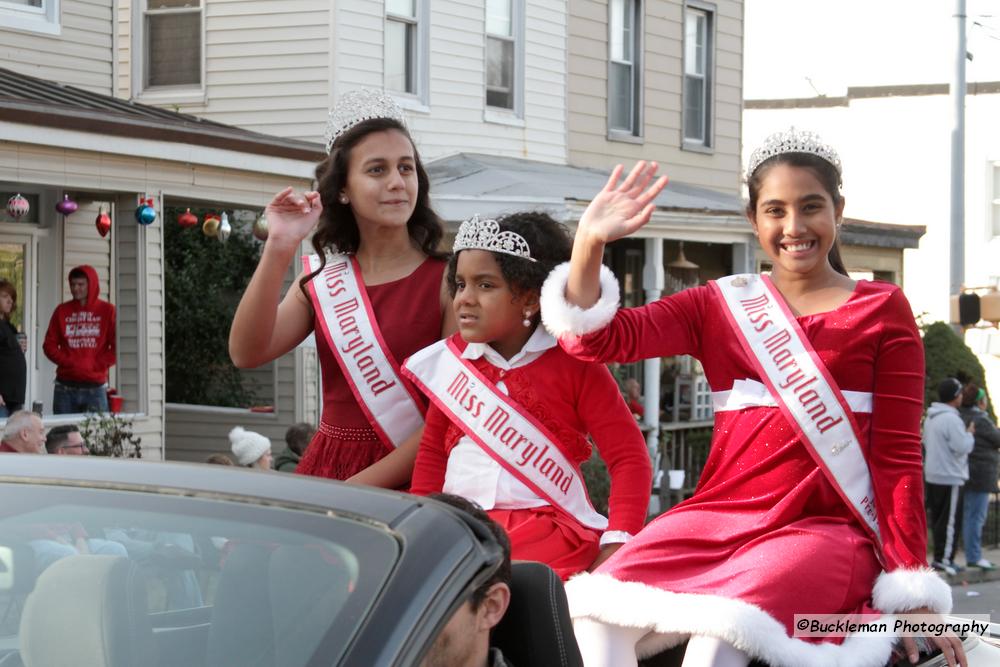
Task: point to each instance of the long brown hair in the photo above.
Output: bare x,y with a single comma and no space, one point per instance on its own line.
825,173
8,287
338,228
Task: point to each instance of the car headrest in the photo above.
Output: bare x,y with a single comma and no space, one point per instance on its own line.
537,630
88,610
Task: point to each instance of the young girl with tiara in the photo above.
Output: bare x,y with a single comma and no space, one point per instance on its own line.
811,500
511,412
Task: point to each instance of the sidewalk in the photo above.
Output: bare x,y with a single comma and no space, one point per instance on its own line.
974,575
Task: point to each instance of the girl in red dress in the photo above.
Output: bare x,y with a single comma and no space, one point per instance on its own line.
495,277
373,207
767,534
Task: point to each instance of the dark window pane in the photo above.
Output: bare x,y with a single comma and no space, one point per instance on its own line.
174,49
499,73
399,53
620,97
694,108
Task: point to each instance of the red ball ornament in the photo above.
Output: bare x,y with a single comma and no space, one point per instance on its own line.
17,207
187,219
67,206
103,223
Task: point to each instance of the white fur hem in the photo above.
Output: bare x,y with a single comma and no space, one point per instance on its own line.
561,317
903,590
673,617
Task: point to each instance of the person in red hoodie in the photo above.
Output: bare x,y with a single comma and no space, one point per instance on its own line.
80,341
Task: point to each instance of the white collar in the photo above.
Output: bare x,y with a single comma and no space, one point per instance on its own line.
540,341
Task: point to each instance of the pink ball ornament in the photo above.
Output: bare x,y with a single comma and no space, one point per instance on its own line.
17,207
67,206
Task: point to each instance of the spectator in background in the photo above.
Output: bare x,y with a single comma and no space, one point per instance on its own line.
80,341
219,459
297,438
66,440
983,460
252,450
633,398
23,434
947,443
13,367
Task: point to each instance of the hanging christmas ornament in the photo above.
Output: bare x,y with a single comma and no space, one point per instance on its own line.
224,228
187,219
260,227
103,222
145,214
67,206
17,207
211,225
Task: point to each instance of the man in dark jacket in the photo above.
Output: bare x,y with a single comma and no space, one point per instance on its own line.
297,438
80,341
983,461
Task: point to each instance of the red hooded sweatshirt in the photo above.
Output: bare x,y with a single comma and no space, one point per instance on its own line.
81,338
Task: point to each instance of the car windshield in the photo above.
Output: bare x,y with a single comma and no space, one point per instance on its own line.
220,582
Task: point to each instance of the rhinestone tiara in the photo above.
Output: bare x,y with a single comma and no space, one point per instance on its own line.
359,105
792,141
476,234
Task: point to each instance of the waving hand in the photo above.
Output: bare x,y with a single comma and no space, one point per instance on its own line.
621,208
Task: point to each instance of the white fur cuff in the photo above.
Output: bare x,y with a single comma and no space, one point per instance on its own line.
561,317
903,590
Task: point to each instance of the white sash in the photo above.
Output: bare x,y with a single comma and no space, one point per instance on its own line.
803,388
347,323
503,429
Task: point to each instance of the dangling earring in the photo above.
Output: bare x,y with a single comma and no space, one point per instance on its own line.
344,199
527,319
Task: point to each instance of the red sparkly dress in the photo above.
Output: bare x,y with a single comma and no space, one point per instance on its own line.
765,535
408,312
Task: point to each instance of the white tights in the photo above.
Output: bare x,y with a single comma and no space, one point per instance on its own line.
604,645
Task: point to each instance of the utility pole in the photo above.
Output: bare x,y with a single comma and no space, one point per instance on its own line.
957,94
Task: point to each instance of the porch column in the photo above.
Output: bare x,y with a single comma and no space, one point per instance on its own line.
743,258
652,284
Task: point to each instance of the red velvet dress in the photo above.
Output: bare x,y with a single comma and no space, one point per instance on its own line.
408,312
765,535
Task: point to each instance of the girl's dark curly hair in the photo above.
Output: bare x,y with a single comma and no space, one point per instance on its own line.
825,173
548,240
338,229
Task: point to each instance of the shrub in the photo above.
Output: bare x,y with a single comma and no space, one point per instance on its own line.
947,355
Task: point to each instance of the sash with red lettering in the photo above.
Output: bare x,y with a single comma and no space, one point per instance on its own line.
803,388
507,432
347,322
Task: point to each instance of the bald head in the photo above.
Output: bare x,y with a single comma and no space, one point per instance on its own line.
24,432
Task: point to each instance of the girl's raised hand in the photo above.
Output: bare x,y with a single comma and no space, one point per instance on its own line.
291,216
621,208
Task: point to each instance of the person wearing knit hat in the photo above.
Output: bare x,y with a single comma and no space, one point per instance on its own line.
251,450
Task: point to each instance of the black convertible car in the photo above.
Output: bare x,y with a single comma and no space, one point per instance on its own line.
141,564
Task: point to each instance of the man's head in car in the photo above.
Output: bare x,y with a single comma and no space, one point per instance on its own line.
465,639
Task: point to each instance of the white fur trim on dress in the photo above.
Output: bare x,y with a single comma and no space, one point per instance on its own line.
903,590
673,617
561,317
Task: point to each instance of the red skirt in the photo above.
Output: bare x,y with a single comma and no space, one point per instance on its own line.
339,453
548,536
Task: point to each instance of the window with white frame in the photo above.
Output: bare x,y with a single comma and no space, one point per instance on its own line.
624,70
502,59
402,46
172,44
699,52
995,209
34,15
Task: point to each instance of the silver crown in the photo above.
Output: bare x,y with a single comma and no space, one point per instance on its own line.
476,234
360,105
792,141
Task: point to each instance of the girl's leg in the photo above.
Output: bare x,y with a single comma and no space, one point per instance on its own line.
711,652
604,645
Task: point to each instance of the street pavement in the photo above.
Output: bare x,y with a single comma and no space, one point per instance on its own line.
976,591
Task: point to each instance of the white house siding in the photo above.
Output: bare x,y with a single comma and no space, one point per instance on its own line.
80,56
663,84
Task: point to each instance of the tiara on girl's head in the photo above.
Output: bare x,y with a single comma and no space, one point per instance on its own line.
356,106
476,234
792,141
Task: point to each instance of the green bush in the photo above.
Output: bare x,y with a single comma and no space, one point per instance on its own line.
598,481
204,281
946,356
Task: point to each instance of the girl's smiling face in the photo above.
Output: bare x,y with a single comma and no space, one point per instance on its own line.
796,220
382,180
486,308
